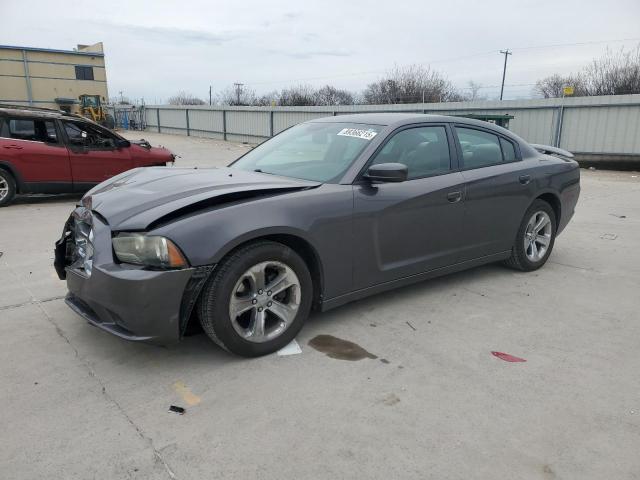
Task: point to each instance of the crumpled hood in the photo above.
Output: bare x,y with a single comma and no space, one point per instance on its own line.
136,198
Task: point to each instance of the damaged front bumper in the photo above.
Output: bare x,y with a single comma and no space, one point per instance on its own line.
129,301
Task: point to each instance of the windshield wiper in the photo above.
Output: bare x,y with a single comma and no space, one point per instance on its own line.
261,171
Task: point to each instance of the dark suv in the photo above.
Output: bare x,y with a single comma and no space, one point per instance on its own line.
50,151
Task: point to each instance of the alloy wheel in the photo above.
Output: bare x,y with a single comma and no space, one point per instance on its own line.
537,236
264,301
4,188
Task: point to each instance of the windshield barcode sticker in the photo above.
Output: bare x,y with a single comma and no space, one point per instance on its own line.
356,132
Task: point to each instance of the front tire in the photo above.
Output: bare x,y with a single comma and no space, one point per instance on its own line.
7,188
535,239
257,299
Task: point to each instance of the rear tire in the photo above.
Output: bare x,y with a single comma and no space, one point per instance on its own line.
535,239
246,306
7,188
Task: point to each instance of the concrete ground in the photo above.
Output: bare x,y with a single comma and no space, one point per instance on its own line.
77,403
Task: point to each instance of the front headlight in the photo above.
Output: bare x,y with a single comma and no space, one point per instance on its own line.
150,251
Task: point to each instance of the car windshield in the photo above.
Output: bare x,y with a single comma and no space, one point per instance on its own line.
321,151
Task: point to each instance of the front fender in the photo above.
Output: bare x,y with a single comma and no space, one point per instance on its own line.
321,217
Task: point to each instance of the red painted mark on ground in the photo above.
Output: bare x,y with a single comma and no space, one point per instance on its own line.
507,358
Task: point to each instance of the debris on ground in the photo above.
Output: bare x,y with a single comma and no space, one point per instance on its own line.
412,327
617,216
507,358
176,409
292,348
609,236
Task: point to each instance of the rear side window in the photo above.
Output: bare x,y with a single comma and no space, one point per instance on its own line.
29,129
482,149
508,150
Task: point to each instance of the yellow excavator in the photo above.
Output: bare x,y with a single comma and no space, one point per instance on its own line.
92,108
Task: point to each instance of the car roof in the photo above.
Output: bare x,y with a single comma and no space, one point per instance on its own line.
399,119
24,111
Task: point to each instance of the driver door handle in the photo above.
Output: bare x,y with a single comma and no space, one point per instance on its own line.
524,179
14,147
454,197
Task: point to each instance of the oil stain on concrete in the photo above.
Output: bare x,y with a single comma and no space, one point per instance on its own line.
339,349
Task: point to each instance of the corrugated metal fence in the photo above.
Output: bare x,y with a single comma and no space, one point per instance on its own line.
607,125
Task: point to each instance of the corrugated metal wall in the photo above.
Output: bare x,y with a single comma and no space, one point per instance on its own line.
590,125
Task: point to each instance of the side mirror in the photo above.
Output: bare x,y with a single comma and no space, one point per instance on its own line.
387,172
122,143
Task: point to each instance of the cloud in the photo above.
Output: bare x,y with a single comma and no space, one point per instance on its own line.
169,34
311,53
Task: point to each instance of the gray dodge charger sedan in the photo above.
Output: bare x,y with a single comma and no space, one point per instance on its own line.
326,212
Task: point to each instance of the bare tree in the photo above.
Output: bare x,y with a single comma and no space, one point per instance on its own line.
184,98
269,99
615,73
236,96
474,89
411,84
301,95
329,95
553,86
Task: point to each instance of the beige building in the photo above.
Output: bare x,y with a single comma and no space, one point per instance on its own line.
43,77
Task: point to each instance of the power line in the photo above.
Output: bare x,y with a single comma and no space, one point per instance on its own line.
577,44
449,59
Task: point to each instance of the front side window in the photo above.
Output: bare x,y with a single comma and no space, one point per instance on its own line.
320,152
84,72
424,150
34,130
86,135
482,149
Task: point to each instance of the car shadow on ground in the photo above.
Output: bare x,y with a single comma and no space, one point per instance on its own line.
196,349
36,199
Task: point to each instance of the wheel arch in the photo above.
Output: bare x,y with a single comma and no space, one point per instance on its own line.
554,200
8,167
295,242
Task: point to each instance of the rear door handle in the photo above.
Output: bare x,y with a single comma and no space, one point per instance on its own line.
524,179
14,147
454,197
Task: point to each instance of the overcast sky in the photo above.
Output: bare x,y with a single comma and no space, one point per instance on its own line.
157,48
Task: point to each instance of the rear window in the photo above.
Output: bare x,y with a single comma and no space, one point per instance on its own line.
34,130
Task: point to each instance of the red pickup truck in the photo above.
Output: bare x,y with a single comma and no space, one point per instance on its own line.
50,151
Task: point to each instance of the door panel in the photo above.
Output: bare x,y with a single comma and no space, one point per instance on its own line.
94,166
403,229
495,202
33,146
93,153
497,191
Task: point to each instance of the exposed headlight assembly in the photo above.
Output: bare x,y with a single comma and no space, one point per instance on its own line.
148,250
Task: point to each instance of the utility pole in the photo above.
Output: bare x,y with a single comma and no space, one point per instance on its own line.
506,53
210,95
238,90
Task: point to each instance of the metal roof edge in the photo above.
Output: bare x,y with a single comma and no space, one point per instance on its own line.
52,50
